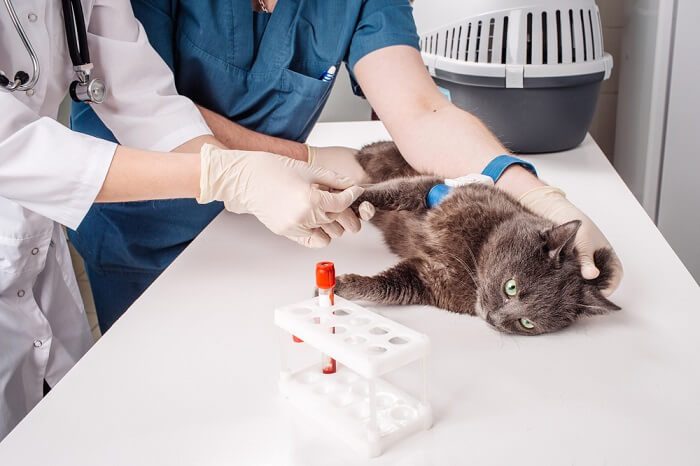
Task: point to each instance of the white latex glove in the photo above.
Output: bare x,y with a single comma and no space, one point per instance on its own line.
338,159
291,198
551,203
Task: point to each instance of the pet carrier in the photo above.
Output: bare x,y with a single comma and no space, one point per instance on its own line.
531,72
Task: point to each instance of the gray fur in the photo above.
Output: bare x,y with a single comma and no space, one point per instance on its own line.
459,255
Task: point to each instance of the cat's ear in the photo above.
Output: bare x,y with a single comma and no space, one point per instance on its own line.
594,303
559,240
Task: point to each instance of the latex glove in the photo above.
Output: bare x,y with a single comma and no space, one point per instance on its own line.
551,203
291,198
338,159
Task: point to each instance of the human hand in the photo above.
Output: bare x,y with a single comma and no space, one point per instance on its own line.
291,198
338,159
552,204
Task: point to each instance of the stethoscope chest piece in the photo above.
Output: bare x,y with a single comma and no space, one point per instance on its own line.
85,88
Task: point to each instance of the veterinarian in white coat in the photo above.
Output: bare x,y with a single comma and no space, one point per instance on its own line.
50,175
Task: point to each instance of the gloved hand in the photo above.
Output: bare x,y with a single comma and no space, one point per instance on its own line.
338,159
291,198
551,203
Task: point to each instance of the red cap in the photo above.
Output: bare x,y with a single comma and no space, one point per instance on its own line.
325,275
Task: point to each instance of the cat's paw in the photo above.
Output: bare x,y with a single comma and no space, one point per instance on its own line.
349,286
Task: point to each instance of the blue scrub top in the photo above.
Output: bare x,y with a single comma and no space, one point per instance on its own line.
260,70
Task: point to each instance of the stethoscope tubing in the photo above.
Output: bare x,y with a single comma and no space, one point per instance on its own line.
16,85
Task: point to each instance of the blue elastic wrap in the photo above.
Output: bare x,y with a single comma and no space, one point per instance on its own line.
498,165
436,194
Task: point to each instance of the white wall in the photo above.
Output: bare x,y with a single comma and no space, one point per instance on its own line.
342,104
679,197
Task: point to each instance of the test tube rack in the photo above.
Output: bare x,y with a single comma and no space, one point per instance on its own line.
355,402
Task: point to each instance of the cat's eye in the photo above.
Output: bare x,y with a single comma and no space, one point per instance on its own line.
526,323
510,288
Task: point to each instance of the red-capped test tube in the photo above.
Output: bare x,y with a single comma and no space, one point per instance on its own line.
325,281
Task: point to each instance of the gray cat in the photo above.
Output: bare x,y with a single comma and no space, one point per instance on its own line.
478,252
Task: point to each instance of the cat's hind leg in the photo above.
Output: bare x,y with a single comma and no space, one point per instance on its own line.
401,284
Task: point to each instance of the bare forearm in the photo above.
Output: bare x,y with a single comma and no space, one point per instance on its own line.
137,175
434,136
236,136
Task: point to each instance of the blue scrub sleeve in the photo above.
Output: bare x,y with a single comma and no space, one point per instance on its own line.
157,18
382,23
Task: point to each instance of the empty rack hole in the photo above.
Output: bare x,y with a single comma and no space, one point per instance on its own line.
398,340
359,321
338,330
385,400
315,320
378,331
376,350
341,312
403,413
356,340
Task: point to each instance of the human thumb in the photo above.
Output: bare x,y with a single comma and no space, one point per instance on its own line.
588,268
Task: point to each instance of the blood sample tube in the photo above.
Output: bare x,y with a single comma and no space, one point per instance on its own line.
325,281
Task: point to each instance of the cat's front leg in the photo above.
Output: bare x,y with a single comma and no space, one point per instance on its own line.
401,284
397,194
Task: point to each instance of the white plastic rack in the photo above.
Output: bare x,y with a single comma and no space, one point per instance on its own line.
355,402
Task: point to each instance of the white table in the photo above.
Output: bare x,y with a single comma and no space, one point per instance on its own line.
188,376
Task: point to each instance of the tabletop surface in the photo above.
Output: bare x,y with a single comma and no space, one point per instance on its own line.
189,375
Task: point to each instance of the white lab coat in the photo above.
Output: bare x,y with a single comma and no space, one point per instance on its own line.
50,175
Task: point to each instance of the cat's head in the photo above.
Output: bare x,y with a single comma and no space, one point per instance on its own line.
529,280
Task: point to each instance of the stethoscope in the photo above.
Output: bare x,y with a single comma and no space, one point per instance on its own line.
85,88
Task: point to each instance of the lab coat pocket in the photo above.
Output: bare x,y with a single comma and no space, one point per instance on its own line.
21,257
302,99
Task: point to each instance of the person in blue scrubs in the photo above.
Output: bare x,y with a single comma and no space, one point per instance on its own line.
255,77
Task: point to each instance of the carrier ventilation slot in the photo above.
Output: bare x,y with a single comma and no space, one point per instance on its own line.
469,36
447,39
459,41
545,50
492,26
573,39
529,39
504,43
559,54
590,20
478,41
583,31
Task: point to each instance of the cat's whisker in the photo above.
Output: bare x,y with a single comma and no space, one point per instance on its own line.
466,267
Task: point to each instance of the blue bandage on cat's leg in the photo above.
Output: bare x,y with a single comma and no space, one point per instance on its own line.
436,194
